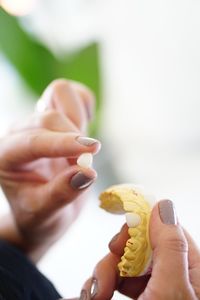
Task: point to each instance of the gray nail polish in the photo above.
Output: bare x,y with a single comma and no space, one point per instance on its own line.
84,295
167,212
94,287
80,181
86,141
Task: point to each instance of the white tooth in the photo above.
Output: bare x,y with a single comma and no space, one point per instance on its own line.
85,160
132,219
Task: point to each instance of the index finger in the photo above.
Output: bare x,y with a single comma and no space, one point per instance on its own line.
27,146
118,242
107,276
107,280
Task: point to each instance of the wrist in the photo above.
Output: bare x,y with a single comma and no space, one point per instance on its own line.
10,232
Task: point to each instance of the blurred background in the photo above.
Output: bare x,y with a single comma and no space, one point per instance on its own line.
141,58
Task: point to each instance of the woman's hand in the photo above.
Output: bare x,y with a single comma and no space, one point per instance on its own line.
176,264
38,170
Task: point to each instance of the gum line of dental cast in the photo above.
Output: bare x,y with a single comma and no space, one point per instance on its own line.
136,245
85,161
133,262
136,204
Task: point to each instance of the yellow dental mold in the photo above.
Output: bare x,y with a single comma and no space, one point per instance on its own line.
131,200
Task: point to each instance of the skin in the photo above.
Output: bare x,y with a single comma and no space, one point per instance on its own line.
37,162
176,266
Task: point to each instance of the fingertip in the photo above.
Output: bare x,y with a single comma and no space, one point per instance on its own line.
93,145
155,226
165,230
83,178
106,277
169,245
118,242
90,288
97,147
90,172
67,187
163,218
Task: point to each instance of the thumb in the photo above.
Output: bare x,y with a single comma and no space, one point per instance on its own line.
170,254
61,190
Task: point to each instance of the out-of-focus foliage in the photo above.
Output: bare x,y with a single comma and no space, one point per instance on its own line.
38,66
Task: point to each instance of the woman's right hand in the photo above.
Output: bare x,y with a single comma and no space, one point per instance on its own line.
176,264
38,171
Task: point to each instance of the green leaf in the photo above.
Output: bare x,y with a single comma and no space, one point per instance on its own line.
38,66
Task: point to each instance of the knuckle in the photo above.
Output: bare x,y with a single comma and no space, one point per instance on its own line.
176,244
85,91
60,84
90,97
59,197
32,140
91,94
47,118
152,293
88,92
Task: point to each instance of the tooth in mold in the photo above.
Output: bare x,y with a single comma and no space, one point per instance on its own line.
132,219
85,160
136,204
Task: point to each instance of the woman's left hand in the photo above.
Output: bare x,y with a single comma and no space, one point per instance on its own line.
176,264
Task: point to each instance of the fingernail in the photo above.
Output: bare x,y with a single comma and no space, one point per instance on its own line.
113,240
90,294
86,141
80,181
167,212
84,295
94,288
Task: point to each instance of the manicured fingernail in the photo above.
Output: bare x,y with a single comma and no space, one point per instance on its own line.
84,295
113,240
86,141
94,288
167,212
80,181
91,293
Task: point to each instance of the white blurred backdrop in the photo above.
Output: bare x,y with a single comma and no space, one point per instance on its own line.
150,129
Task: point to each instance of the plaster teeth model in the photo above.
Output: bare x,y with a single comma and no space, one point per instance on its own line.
136,205
85,160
